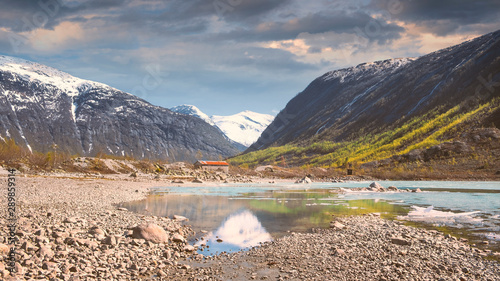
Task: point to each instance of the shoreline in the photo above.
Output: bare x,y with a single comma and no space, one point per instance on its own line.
65,246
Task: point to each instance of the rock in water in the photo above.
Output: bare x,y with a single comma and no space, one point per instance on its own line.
392,188
377,187
150,232
304,180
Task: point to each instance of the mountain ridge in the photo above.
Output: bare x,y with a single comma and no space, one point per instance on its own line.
242,128
342,108
42,106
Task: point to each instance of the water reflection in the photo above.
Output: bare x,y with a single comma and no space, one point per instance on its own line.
240,230
245,221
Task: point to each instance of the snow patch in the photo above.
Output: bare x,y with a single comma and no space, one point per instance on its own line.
429,215
371,67
244,127
31,72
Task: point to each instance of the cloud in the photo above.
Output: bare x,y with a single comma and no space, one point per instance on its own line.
444,17
315,23
251,50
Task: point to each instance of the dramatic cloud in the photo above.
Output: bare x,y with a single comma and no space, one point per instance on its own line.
231,55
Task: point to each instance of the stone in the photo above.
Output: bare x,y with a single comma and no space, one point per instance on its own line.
59,234
122,209
185,266
197,180
4,249
109,240
304,180
339,252
49,265
71,220
400,241
180,218
167,254
189,248
337,225
134,266
392,188
45,251
416,190
19,269
96,231
178,238
150,232
375,186
27,246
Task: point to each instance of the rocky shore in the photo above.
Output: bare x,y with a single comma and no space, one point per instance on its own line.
71,229
354,248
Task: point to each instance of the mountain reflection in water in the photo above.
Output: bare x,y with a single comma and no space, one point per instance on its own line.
239,231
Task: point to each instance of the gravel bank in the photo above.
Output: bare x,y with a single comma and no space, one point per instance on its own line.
355,248
71,229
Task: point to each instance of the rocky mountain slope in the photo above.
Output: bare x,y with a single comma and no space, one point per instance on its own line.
42,106
379,109
243,128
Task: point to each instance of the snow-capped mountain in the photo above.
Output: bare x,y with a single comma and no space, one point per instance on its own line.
42,106
193,111
365,99
243,128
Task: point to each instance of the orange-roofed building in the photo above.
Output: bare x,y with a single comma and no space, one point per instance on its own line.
212,165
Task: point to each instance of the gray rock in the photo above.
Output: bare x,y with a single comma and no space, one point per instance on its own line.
304,180
400,241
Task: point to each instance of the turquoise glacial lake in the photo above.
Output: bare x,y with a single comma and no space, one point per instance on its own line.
231,217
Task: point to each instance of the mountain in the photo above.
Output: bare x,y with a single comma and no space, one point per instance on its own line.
42,106
193,111
370,111
243,128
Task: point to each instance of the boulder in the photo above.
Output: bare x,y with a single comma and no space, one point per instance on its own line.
304,180
375,186
392,188
150,232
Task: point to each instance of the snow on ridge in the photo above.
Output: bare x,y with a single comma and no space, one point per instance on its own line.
31,71
244,127
374,67
193,111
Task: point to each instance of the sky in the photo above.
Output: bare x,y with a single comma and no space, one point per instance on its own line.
226,56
